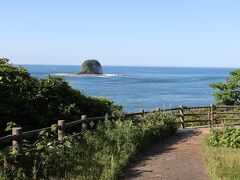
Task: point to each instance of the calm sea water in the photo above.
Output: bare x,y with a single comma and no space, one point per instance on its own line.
142,87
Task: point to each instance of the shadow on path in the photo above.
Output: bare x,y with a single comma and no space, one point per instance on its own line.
177,157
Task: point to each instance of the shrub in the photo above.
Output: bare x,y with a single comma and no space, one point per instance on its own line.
32,103
4,60
227,137
98,154
228,93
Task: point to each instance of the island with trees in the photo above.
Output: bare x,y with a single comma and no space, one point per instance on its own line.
91,66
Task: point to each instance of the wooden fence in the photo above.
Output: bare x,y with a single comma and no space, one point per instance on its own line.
210,116
183,112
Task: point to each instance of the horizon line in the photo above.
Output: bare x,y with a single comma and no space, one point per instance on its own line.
228,67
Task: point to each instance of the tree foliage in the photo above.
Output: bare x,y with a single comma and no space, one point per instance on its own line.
4,60
32,103
229,92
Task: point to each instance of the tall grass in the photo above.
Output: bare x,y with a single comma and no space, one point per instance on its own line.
97,154
222,157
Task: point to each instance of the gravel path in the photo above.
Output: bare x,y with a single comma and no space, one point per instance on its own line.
176,158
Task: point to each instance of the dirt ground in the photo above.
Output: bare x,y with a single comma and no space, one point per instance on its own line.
176,158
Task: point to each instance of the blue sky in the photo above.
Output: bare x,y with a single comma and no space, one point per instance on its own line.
202,33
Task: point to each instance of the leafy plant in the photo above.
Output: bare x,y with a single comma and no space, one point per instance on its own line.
10,125
101,153
226,137
229,92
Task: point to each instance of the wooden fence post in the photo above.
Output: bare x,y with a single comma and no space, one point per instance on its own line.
61,130
211,114
181,111
143,112
223,122
17,140
84,125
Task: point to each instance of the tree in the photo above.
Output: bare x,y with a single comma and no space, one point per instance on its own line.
229,92
4,60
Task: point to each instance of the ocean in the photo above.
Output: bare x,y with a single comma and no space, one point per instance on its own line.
142,87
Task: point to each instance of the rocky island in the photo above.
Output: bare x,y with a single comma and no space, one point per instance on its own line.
91,66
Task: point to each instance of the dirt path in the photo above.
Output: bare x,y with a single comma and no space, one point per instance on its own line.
176,158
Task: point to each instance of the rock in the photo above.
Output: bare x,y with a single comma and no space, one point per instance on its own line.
91,66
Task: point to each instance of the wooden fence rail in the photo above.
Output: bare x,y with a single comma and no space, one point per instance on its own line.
18,135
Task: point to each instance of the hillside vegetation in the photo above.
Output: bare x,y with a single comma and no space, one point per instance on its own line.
31,102
221,150
98,154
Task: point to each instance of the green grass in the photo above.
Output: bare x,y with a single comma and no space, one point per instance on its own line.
223,163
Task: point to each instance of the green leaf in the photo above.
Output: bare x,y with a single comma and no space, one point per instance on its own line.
10,125
54,127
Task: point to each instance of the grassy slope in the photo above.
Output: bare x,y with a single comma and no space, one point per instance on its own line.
222,163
